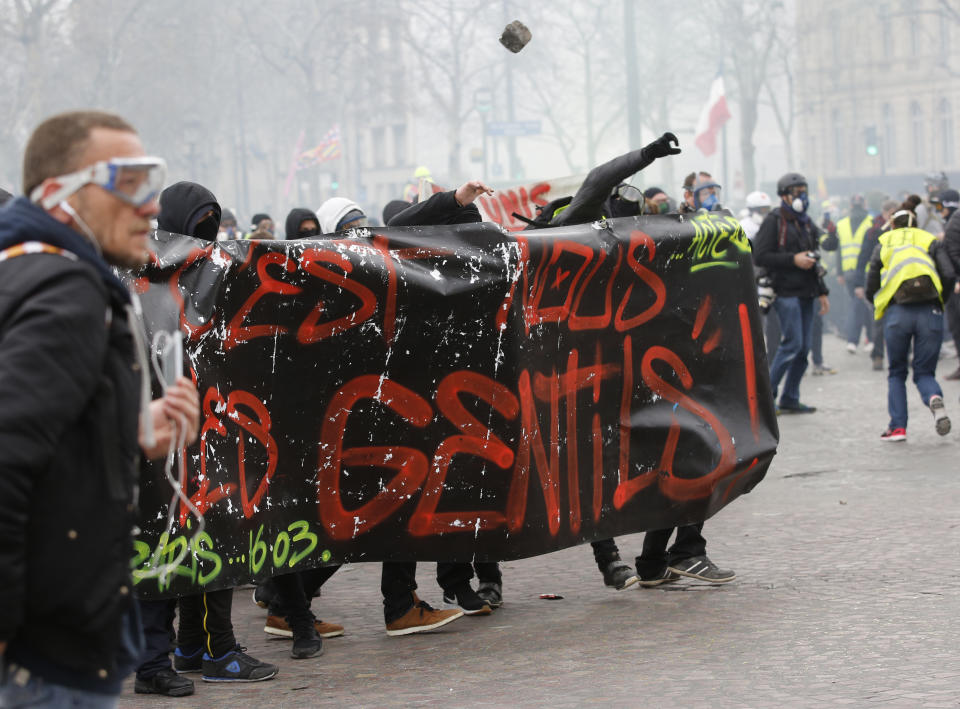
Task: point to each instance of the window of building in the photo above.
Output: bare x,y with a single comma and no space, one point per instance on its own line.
914,33
916,121
889,146
399,144
838,140
946,134
886,33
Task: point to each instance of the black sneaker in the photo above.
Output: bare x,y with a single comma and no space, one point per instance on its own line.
619,575
491,592
306,642
665,576
264,594
796,408
236,666
165,682
467,600
700,567
188,661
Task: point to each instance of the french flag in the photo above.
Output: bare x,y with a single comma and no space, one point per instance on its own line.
712,118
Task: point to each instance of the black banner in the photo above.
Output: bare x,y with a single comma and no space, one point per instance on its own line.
445,393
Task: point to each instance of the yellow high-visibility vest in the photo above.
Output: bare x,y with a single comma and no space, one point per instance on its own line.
905,254
850,242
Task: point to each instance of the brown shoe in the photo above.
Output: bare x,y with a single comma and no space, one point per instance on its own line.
421,618
954,375
279,627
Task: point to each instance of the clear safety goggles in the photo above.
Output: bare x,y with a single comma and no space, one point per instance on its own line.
136,181
628,193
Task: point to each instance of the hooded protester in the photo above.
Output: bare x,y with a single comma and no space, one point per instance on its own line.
205,639
340,213
657,201
301,223
261,227
393,208
190,209
228,226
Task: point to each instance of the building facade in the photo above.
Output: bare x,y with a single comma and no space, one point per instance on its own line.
878,90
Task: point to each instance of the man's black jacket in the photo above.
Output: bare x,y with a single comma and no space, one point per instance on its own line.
69,403
777,241
441,208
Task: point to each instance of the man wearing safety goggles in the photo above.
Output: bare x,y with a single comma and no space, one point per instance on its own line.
75,411
110,201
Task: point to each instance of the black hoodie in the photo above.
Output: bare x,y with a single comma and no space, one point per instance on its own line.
183,204
297,216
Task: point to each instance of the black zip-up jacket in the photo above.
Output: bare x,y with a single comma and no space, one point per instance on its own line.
789,280
69,404
870,240
441,208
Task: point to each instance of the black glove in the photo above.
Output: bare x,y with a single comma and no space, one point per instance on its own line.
662,147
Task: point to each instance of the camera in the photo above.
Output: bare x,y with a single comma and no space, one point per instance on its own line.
815,255
765,293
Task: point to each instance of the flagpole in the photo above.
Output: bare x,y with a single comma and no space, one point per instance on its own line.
726,177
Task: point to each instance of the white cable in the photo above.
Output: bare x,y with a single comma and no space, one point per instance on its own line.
177,442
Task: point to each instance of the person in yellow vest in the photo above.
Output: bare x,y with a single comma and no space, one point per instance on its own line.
850,231
909,272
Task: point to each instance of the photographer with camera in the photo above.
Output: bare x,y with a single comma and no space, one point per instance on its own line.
788,247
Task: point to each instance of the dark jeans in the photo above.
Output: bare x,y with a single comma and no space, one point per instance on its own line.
921,324
37,693
157,618
790,362
878,340
205,622
859,316
655,557
295,591
816,337
771,332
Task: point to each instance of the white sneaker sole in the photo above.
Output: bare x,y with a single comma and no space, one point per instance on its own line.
424,628
454,606
940,419
281,633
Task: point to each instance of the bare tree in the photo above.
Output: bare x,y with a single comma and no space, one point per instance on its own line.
744,34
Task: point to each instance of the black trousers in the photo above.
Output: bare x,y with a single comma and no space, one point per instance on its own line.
451,574
655,557
205,622
398,581
293,592
157,619
952,309
605,551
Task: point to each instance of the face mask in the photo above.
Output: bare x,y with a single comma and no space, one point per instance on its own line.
308,233
710,202
663,207
800,204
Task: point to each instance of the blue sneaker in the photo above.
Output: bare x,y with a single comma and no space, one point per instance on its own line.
236,666
184,662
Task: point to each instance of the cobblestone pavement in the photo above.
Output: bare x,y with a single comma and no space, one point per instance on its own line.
847,595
